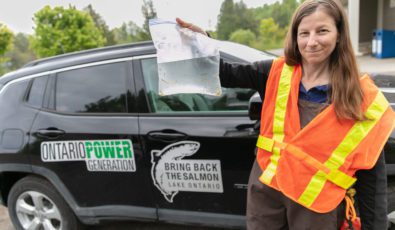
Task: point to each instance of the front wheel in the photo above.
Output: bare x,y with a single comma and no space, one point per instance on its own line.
391,204
33,203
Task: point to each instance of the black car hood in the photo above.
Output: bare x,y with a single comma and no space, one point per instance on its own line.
387,85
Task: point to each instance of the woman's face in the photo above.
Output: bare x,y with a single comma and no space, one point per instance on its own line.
317,36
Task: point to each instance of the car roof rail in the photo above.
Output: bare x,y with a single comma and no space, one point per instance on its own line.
85,52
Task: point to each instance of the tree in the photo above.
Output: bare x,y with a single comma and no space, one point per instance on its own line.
101,24
245,18
233,17
225,20
128,32
246,37
60,30
5,39
149,12
21,52
280,12
262,12
270,34
274,20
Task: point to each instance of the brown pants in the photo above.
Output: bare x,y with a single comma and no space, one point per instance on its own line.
269,209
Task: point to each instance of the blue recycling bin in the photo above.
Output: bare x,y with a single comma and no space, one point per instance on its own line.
383,43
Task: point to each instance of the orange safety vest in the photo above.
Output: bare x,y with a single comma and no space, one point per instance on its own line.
316,165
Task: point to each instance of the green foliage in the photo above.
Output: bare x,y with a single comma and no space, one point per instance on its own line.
262,12
245,19
128,32
271,35
5,39
234,16
101,24
225,20
131,32
60,30
213,34
246,37
274,20
269,30
19,55
149,12
3,66
269,23
21,52
280,12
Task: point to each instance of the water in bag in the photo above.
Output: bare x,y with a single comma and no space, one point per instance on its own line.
188,62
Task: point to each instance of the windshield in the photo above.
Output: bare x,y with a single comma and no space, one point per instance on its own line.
244,52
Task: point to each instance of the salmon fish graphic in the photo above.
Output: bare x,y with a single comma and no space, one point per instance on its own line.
170,153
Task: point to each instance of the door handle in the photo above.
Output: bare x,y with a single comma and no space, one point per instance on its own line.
167,135
50,133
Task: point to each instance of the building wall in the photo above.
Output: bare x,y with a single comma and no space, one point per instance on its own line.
389,15
367,19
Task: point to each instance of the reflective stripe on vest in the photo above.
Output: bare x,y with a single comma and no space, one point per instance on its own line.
332,174
284,89
356,134
327,169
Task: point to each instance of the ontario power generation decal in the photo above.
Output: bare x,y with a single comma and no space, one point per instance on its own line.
172,174
99,155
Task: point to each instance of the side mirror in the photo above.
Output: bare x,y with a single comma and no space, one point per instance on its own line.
255,107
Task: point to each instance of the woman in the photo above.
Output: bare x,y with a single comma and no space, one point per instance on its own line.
322,124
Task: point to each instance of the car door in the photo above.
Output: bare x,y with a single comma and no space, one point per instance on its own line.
85,141
201,147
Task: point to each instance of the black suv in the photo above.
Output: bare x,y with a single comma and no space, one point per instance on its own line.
84,137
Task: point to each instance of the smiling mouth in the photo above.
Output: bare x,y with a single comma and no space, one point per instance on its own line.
313,51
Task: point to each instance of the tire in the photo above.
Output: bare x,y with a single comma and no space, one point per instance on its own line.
391,202
34,203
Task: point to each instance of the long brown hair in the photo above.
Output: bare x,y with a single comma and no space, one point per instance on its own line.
345,89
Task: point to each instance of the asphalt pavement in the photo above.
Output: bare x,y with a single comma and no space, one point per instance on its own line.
5,224
371,64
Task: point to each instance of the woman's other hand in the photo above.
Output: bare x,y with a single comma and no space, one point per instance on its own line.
190,26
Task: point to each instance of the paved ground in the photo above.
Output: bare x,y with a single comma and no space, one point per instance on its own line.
370,64
5,224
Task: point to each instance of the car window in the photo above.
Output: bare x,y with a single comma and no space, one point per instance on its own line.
95,89
36,92
232,99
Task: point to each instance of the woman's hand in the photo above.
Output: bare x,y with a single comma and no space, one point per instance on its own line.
190,26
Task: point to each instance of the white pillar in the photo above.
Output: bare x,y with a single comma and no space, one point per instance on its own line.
353,18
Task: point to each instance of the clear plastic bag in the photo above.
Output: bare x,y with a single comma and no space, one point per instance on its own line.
188,62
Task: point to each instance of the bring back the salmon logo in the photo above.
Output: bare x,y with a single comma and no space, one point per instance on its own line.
171,174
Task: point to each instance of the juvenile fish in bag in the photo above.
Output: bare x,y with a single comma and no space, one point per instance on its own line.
188,62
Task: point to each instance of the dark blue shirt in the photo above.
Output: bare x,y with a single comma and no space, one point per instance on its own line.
318,94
